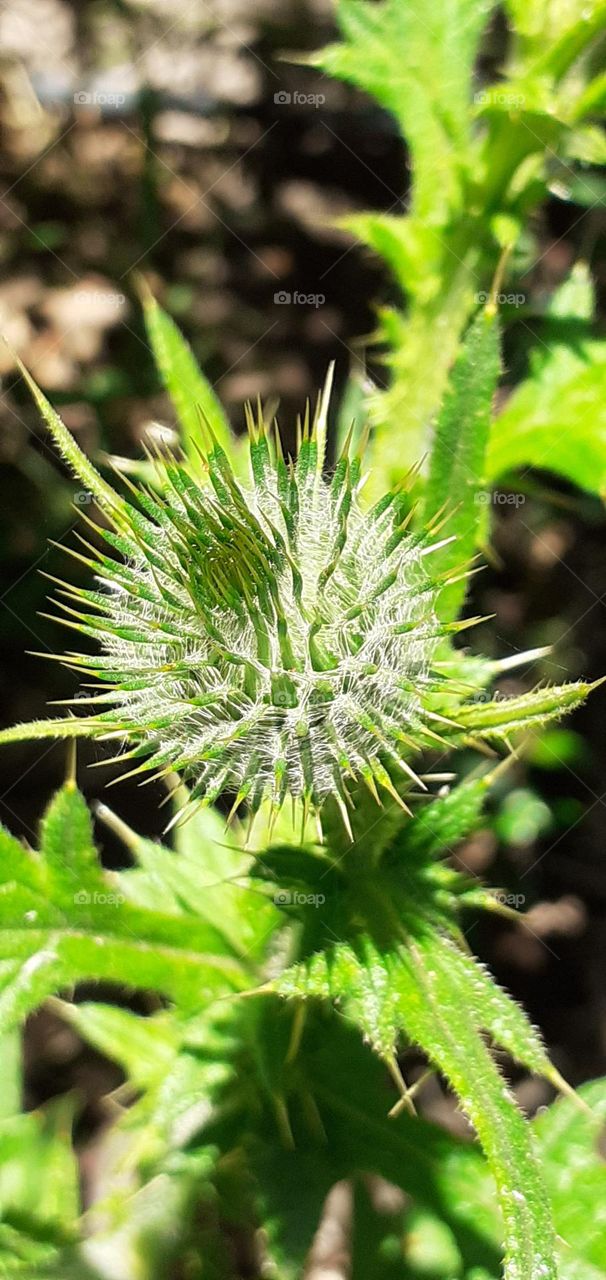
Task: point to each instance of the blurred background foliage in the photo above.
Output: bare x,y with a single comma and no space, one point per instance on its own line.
144,140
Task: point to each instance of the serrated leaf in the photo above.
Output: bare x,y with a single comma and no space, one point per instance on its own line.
436,1014
457,459
359,980
82,467
409,247
442,824
204,876
66,843
428,989
17,862
63,921
555,419
417,63
497,1013
499,719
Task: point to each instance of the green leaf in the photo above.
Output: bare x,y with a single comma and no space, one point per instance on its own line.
410,248
333,1097
443,1000
549,28
39,1189
63,921
431,1248
457,459
498,719
498,1014
144,1047
556,418
66,844
557,423
417,62
204,876
575,1172
436,1014
81,466
12,1074
445,821
191,393
74,727
359,979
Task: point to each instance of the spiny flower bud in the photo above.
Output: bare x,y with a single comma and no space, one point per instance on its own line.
271,640
268,640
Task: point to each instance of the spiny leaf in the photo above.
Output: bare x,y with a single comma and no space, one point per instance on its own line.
498,719
442,824
457,459
103,493
75,727
442,1000
436,1016
63,921
66,844
417,63
569,1144
191,393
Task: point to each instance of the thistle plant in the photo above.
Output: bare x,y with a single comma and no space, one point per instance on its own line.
266,636
270,628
